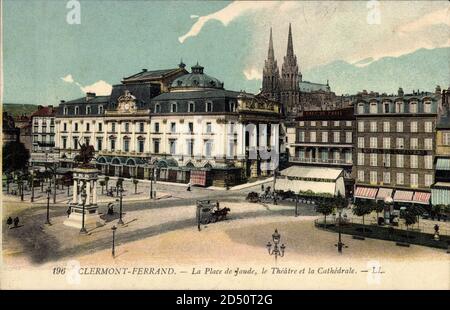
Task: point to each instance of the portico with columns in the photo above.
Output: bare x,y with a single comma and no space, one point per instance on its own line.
84,180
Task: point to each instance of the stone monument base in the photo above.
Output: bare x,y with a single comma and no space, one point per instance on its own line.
91,218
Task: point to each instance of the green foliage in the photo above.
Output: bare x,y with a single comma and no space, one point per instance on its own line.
409,216
324,208
15,157
362,208
310,193
378,207
19,109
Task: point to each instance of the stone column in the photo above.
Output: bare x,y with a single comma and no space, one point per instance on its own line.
75,191
88,193
94,198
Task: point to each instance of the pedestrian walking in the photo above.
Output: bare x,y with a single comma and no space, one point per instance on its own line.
68,211
436,228
189,187
9,221
16,222
262,188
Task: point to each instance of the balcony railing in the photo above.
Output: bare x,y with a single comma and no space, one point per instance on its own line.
319,161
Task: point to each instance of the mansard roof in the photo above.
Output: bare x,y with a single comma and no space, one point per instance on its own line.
202,94
142,92
85,100
153,74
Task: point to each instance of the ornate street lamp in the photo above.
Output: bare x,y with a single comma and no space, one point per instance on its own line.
276,250
340,245
48,191
113,239
83,201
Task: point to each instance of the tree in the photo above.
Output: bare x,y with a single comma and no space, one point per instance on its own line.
325,209
15,155
119,183
362,208
410,219
340,202
135,182
417,211
378,207
102,184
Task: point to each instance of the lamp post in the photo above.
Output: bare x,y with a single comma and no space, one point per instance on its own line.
20,185
276,250
83,201
113,240
296,205
32,185
120,189
151,182
275,172
48,206
340,245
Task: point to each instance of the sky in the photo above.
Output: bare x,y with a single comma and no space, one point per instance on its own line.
47,59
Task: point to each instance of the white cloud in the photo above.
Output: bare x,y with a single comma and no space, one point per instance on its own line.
226,15
252,74
437,17
68,78
100,88
326,31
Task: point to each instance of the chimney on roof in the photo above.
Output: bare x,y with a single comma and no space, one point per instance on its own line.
400,92
62,101
144,70
89,96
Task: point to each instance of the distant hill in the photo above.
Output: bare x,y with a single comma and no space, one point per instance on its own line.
17,109
422,69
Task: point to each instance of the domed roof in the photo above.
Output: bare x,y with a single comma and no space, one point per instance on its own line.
196,79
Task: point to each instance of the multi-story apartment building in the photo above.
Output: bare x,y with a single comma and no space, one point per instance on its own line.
43,131
395,146
324,138
189,123
77,122
440,192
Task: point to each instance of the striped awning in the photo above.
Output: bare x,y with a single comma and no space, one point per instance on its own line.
421,197
443,164
403,196
366,192
384,192
440,196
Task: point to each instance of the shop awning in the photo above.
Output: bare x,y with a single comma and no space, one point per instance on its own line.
383,193
440,194
443,164
366,192
403,196
317,187
422,197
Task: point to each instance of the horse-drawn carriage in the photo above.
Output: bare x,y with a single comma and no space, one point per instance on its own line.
210,212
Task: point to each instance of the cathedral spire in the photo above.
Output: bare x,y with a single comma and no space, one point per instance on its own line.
271,54
290,45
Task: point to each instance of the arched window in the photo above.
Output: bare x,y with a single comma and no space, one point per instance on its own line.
191,107
413,107
77,110
361,108
65,111
173,107
209,106
88,109
373,108
399,107
100,109
157,108
427,107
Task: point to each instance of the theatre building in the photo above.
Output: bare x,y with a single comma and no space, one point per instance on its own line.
395,137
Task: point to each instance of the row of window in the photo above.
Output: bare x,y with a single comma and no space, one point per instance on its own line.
384,160
324,123
374,178
44,129
325,155
88,110
397,107
399,143
324,135
399,126
192,107
141,127
140,143
44,139
44,122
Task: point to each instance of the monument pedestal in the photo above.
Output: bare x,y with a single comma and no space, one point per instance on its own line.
84,179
